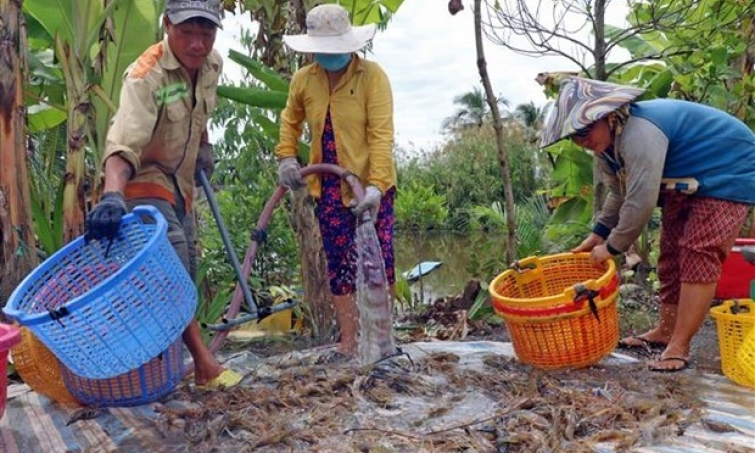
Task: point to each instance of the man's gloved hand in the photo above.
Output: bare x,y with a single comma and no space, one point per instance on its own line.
105,219
371,201
288,173
205,162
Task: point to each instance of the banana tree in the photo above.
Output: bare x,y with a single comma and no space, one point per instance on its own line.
16,256
93,41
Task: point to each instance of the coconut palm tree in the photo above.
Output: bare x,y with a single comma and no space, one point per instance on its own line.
531,115
473,110
532,118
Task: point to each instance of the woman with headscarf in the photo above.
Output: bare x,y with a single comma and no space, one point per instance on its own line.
347,103
695,161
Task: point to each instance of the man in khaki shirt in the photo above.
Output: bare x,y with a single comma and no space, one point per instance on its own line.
158,141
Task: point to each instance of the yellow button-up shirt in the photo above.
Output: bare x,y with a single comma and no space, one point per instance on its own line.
160,121
361,111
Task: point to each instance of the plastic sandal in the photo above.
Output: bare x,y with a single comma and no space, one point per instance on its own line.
227,379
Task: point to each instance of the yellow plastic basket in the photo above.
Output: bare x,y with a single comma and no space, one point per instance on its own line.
560,310
40,369
746,356
735,320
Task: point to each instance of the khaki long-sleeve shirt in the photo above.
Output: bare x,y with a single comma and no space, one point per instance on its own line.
160,121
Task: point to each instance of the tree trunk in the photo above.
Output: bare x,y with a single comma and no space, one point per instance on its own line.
78,129
18,257
503,157
599,54
314,266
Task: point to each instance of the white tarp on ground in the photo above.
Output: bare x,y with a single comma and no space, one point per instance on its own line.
33,424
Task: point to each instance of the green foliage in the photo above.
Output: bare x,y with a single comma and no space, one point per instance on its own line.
466,171
257,97
571,196
245,178
403,293
532,216
566,235
96,41
262,73
709,64
488,253
481,309
572,173
489,217
46,169
209,312
47,217
420,207
371,11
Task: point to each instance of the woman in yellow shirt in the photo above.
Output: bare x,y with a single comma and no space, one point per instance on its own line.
347,103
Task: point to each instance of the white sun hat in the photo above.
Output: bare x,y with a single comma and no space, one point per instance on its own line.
329,30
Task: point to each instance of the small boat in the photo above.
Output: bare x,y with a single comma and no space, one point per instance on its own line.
420,270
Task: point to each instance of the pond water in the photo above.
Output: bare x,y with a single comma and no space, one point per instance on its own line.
458,253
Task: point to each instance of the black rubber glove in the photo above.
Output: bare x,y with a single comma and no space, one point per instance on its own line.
105,219
205,162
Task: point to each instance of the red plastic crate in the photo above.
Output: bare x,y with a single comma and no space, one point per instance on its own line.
9,337
737,273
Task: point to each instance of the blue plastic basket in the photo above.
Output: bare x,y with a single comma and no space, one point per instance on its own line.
148,383
105,308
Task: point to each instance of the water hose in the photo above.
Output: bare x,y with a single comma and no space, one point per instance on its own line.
258,236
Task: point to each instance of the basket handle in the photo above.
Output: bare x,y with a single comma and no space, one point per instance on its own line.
151,211
526,264
586,291
528,270
583,292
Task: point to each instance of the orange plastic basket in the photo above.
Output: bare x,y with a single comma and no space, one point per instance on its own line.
735,320
560,310
39,368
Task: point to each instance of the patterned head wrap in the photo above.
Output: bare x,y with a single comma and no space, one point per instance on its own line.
581,102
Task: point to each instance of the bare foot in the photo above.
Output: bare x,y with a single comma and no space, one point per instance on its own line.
640,342
669,364
650,339
347,349
674,358
206,374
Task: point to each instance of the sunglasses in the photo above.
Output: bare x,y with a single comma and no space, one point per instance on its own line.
582,133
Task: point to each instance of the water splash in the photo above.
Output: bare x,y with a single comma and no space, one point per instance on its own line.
373,298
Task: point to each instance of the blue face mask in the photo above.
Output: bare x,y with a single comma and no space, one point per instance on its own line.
333,61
